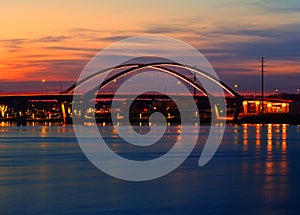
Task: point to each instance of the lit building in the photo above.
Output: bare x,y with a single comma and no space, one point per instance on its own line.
271,106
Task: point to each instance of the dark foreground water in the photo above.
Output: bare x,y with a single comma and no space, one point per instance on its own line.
255,171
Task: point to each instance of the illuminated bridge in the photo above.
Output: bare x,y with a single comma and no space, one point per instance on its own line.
15,107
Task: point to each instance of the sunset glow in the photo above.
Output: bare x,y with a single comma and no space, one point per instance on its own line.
54,40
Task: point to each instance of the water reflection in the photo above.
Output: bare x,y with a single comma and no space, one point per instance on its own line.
245,137
258,139
46,165
236,137
271,159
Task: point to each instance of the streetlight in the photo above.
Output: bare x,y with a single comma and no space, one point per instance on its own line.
276,90
236,86
178,83
112,87
298,90
43,81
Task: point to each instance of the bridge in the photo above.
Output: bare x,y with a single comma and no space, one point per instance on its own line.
18,103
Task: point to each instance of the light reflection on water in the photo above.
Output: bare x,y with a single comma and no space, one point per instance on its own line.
255,171
276,168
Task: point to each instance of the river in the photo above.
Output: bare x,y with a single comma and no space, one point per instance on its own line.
256,170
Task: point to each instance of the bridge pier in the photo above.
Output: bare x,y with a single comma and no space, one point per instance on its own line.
21,113
237,111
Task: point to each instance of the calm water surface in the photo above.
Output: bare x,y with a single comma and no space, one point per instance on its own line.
255,171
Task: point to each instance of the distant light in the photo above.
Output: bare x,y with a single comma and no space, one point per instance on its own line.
43,80
269,105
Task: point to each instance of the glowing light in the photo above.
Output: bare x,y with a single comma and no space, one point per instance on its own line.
269,144
258,135
269,105
43,132
3,109
284,131
245,135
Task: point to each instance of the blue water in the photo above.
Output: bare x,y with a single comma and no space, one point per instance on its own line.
255,171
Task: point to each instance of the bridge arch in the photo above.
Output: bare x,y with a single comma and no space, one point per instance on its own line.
162,66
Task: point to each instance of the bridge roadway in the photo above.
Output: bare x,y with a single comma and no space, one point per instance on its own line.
35,96
16,98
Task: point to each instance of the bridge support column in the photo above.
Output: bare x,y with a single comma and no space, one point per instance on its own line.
237,111
21,114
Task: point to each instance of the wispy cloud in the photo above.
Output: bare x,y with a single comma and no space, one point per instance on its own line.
277,6
51,39
233,43
165,28
69,48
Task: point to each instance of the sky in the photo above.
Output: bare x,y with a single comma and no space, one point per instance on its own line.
53,40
